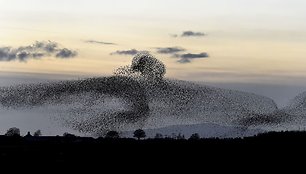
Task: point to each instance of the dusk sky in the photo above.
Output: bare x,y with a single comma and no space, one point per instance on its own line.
252,45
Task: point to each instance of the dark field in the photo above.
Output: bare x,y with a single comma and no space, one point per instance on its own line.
75,149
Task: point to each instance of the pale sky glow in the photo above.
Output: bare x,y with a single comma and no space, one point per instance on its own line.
249,41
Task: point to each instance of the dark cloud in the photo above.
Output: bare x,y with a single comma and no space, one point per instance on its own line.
188,57
126,52
192,34
66,53
23,55
35,51
170,50
49,47
184,61
193,56
37,55
100,42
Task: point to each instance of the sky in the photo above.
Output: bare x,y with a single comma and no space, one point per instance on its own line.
251,45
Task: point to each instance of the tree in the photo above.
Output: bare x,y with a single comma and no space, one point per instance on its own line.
112,134
37,133
177,136
173,136
180,137
68,135
139,133
13,132
195,136
28,135
158,136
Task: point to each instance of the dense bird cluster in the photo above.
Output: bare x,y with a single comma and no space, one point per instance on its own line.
145,66
85,100
138,96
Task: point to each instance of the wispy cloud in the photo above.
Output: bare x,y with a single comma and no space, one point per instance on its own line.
192,34
188,57
169,50
37,50
126,52
175,52
189,34
193,56
99,42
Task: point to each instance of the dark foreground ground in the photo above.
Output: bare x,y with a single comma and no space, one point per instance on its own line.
75,149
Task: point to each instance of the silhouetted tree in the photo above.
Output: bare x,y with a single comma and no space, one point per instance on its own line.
173,136
195,136
68,135
28,135
112,134
158,136
13,132
177,137
139,133
37,133
180,136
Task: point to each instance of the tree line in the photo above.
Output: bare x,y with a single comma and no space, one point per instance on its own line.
138,134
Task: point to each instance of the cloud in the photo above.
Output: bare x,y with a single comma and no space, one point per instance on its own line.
37,50
193,56
126,52
188,57
169,50
66,53
184,61
99,42
192,34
